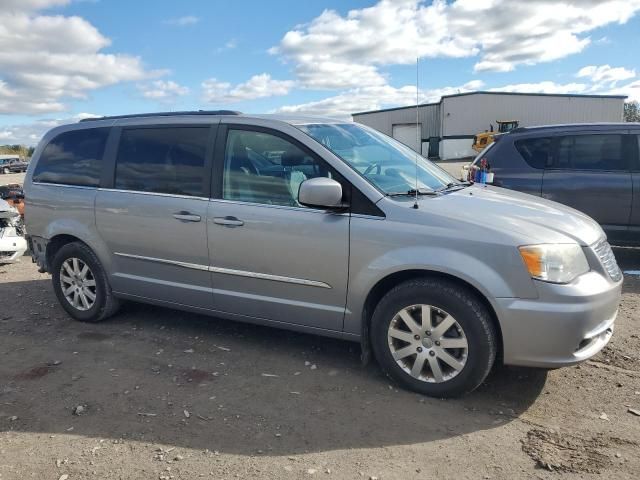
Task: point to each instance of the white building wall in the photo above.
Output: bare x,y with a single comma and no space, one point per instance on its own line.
457,118
456,148
473,113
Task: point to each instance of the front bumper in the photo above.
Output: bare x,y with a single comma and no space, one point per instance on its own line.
565,325
11,248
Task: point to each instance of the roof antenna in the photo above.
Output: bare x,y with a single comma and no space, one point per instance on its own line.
415,205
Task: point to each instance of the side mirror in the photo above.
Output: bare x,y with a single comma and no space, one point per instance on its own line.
320,192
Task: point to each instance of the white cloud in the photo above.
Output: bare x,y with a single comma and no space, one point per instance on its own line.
183,21
605,74
230,45
47,59
258,86
631,90
543,87
503,33
30,5
31,133
166,91
374,98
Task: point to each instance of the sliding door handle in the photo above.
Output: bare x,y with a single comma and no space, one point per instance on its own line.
228,221
186,216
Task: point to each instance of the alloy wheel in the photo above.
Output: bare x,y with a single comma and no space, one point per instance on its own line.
428,343
78,283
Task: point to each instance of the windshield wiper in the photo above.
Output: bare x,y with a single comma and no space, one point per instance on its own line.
412,193
451,186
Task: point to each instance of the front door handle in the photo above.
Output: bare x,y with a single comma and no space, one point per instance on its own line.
186,216
228,221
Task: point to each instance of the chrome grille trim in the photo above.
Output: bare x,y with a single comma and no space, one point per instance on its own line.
608,259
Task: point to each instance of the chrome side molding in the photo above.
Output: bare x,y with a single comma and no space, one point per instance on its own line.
230,271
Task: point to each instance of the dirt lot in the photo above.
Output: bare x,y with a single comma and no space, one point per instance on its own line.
166,394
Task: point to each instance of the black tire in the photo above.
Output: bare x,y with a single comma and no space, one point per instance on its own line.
5,171
470,314
105,304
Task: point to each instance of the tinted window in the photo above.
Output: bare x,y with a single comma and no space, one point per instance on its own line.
73,158
163,160
591,152
537,152
264,168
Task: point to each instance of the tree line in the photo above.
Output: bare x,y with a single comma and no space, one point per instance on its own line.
21,150
632,112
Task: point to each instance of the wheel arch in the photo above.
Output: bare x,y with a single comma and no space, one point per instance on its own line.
56,243
60,239
385,284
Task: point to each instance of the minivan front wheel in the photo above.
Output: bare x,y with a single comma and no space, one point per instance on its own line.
81,284
434,336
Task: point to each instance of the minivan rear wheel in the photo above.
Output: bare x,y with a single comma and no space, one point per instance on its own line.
81,284
434,336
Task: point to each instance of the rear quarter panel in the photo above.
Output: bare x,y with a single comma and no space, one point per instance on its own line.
511,171
52,209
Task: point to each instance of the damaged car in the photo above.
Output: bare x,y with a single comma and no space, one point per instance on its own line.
12,241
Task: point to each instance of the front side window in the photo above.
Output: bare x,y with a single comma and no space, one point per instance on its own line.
537,152
386,163
163,160
264,168
73,158
591,152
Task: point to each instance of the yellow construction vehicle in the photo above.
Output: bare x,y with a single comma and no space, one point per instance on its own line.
481,140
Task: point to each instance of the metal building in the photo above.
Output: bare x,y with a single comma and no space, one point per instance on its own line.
447,127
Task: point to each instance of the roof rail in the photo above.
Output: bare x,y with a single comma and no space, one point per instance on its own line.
164,114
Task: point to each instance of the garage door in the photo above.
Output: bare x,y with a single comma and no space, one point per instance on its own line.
406,134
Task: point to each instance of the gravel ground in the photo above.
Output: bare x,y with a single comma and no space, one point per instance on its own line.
167,394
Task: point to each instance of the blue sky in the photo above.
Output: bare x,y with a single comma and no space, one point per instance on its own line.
64,59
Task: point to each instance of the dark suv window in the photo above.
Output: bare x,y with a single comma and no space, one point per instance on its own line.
163,160
591,152
73,158
537,152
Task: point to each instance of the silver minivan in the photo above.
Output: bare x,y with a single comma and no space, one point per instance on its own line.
322,226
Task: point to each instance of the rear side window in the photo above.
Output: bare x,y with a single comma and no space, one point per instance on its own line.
537,152
163,160
591,152
73,158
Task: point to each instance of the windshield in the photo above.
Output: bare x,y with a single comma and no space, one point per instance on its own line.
387,164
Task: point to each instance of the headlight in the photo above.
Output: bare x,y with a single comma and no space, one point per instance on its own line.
560,263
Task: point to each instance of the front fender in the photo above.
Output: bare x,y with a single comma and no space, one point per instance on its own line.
508,282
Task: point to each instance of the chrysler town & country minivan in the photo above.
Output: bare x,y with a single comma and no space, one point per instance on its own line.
322,226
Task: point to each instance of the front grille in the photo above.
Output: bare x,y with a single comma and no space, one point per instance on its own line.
605,254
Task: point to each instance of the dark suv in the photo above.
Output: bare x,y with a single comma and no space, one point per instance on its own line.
594,168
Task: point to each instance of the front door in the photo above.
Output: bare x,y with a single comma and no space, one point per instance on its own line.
271,257
591,173
153,220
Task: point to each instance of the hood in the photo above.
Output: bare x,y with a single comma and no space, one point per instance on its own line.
530,219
